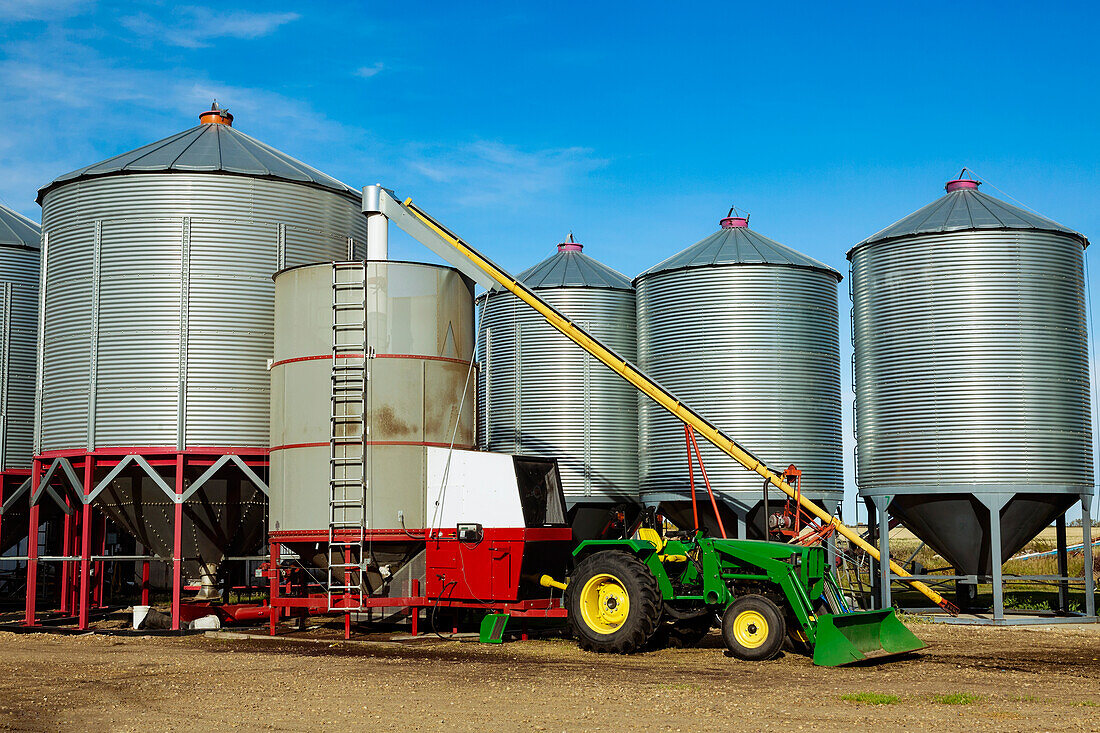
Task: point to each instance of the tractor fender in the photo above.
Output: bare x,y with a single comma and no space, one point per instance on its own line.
643,550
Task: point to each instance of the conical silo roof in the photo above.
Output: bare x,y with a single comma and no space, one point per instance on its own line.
17,230
213,146
964,207
736,244
569,267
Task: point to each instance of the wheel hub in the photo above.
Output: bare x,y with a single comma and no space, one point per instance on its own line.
750,628
604,603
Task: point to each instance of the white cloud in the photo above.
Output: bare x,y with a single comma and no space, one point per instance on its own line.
484,172
368,71
78,96
195,27
16,10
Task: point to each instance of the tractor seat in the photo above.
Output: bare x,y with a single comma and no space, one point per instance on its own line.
653,537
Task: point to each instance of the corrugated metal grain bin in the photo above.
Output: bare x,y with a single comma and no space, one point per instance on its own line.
158,311
971,372
19,260
540,394
158,318
746,331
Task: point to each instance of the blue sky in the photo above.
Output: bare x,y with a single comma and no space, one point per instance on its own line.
636,125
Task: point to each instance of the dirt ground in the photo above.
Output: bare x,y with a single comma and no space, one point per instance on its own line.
1033,679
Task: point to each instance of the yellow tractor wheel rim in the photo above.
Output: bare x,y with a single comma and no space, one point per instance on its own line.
750,628
604,603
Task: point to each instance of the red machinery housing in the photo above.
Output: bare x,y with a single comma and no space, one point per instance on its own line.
490,565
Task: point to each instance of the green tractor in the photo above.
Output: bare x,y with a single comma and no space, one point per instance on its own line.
624,592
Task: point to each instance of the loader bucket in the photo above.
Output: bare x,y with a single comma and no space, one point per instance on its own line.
852,637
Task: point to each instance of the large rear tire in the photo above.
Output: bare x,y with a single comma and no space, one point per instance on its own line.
614,603
753,628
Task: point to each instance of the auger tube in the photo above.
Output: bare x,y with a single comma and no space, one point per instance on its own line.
635,376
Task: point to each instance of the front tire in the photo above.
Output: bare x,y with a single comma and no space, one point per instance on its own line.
614,603
753,628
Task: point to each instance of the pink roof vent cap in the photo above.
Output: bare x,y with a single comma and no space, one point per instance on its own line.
570,245
735,222
959,184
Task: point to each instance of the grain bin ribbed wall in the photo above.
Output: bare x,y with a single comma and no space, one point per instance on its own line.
19,263
540,394
745,330
158,293
971,371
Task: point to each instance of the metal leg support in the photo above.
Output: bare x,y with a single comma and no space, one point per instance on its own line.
872,532
881,502
32,547
85,557
995,503
66,550
830,542
1063,564
1086,551
177,547
273,588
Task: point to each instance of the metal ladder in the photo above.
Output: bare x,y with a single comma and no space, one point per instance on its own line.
348,483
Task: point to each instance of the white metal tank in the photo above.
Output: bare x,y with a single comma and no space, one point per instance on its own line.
972,373
540,394
746,331
356,413
420,337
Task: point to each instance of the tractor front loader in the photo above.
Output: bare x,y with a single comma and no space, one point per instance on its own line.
622,592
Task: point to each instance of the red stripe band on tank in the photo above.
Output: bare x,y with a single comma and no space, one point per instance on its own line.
463,362
376,442
154,450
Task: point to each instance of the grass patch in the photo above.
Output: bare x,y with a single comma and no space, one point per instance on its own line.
870,698
1087,704
957,698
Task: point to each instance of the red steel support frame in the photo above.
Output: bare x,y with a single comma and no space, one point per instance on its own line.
273,593
85,540
32,547
66,549
177,546
80,589
100,567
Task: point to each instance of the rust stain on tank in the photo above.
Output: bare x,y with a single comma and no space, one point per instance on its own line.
390,425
